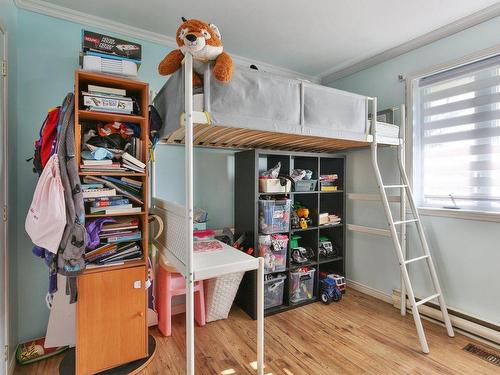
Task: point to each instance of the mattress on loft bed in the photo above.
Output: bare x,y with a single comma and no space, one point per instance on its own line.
267,102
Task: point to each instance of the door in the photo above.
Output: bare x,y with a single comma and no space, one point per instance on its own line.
110,319
4,338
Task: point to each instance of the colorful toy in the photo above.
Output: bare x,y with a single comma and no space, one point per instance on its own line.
330,291
339,281
300,255
203,41
301,219
326,248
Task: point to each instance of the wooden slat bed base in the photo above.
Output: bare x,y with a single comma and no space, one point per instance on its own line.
226,137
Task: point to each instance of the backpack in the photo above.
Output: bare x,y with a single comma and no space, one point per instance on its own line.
70,260
46,144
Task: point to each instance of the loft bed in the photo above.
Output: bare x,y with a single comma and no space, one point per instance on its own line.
262,110
255,110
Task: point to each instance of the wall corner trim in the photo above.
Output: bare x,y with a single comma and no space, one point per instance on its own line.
67,14
352,67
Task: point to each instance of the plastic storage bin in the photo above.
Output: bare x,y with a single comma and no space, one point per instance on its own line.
274,216
273,248
273,185
305,185
273,291
301,285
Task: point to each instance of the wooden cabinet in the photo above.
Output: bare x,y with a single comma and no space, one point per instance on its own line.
112,301
111,319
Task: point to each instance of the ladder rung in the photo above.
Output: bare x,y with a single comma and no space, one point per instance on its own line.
416,259
394,186
405,221
425,300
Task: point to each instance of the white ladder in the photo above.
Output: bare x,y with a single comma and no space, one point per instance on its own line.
399,244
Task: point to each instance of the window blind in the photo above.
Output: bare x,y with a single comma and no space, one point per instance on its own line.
457,137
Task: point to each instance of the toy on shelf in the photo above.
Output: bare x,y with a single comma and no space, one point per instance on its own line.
300,217
326,248
329,291
328,182
300,255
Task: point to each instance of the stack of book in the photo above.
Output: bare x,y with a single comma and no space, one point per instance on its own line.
101,200
113,254
107,99
132,163
106,165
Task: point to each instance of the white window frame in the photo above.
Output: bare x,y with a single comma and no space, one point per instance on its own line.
410,79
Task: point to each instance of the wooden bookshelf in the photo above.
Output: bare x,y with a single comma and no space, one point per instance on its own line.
111,329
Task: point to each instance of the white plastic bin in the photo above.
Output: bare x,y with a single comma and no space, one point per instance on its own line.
273,291
274,216
273,248
301,285
273,185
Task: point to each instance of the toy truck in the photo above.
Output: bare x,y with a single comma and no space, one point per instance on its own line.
339,280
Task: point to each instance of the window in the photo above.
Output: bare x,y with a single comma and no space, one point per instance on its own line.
456,143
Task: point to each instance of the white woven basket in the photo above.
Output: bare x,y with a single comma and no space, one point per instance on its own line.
220,293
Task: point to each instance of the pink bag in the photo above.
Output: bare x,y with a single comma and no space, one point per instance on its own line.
46,217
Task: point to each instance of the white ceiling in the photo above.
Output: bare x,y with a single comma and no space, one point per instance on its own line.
309,37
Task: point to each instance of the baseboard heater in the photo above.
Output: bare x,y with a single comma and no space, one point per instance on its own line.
484,330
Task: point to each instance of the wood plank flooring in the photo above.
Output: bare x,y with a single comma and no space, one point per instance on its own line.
360,335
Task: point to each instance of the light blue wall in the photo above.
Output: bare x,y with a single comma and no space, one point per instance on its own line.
47,52
465,252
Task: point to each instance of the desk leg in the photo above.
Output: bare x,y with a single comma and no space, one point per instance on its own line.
190,325
260,317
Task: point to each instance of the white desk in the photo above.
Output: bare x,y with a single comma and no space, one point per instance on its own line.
207,265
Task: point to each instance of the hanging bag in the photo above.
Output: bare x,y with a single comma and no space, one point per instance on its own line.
46,217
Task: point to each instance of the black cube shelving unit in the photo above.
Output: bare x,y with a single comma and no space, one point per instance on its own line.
248,165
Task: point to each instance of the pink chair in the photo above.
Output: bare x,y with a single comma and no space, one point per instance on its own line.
170,284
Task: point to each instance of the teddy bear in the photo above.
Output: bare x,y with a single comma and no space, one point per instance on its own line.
203,41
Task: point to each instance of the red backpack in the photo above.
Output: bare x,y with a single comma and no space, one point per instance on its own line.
45,145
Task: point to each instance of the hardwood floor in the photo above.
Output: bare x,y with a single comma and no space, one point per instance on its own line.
360,335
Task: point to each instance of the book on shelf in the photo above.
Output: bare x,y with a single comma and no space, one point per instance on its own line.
132,167
110,104
91,186
123,184
93,162
132,160
114,210
106,201
106,166
111,185
135,148
95,89
100,252
124,251
123,223
123,237
131,181
97,193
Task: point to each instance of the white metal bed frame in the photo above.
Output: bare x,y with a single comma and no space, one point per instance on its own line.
183,251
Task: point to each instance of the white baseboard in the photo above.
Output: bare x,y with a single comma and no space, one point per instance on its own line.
461,324
465,327
369,290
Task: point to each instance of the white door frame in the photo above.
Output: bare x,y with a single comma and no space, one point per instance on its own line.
5,186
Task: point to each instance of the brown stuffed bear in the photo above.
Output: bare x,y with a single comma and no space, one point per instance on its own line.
203,42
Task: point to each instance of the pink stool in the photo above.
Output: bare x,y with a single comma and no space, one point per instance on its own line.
170,284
